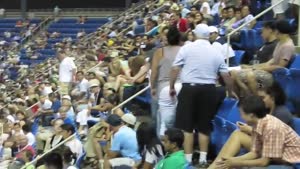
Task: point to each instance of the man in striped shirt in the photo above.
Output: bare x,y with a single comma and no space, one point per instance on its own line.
274,142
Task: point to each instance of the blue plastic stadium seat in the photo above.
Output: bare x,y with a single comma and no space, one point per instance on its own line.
259,24
145,97
258,41
238,56
282,77
296,62
297,125
140,21
243,44
226,107
234,115
222,131
293,92
80,159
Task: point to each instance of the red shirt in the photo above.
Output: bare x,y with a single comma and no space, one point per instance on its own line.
28,148
182,25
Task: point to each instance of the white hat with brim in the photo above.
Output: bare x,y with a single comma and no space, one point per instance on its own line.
129,118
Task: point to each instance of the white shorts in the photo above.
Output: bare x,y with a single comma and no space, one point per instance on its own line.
122,161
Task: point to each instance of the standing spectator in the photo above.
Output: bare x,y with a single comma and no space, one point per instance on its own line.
280,9
67,71
173,140
198,77
179,22
160,77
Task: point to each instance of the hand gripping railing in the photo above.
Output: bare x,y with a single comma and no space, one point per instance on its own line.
245,24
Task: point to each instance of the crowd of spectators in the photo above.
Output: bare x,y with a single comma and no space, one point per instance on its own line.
76,99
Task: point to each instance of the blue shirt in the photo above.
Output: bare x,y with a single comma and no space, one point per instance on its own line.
125,142
55,106
200,62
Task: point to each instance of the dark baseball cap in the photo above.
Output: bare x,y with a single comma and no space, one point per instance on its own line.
114,120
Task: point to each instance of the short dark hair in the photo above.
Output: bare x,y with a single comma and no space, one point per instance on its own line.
175,136
277,93
254,105
68,127
284,27
173,36
26,128
270,25
79,72
54,160
113,98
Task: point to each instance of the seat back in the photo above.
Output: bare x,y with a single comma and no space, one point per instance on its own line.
296,123
226,107
296,62
238,56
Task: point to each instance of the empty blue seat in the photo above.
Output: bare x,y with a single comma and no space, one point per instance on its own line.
226,107
238,56
296,62
259,24
234,115
282,77
297,125
293,92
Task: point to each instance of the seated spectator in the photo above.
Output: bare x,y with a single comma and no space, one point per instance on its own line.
81,34
265,53
220,44
190,37
56,103
30,137
74,144
68,159
56,138
230,18
53,161
247,17
124,144
82,85
19,24
44,110
179,22
216,9
175,158
63,114
23,145
274,99
66,102
272,140
150,146
282,56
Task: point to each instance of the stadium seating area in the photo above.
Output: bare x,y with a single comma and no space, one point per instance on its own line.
228,113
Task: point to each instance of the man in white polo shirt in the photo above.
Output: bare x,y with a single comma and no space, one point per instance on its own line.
67,72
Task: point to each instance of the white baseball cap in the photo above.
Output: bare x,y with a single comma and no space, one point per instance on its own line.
202,31
213,29
66,97
129,118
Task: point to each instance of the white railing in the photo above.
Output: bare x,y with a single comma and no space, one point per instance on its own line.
245,24
130,98
49,151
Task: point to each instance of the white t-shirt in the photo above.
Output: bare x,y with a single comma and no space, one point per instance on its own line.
65,70
84,85
47,90
247,19
71,167
75,146
31,138
151,157
205,5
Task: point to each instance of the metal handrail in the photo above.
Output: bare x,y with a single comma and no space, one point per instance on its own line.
245,24
49,151
130,98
